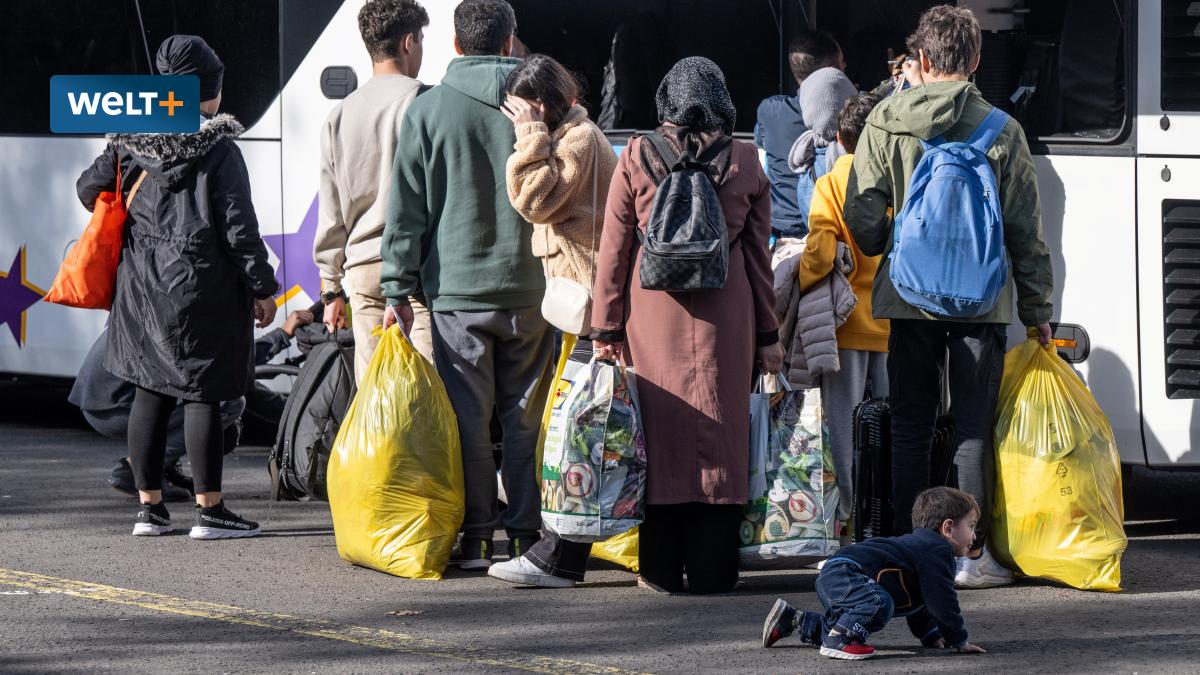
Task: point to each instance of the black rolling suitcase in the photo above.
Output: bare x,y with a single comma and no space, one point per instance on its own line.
873,466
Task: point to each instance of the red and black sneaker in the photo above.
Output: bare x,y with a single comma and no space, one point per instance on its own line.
846,647
780,623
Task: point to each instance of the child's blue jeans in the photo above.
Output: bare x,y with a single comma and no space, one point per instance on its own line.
854,603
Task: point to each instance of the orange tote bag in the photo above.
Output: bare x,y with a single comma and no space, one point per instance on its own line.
88,275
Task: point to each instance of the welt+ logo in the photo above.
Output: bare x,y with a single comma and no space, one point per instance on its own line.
105,104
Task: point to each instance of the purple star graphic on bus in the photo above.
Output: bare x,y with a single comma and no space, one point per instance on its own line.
16,296
297,271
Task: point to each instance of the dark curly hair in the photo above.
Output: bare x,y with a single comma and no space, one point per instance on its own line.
384,23
482,26
853,119
542,79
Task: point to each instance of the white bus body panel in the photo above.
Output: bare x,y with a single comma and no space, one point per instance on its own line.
1088,217
1172,427
41,188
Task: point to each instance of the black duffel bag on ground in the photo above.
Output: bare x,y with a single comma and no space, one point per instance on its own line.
315,409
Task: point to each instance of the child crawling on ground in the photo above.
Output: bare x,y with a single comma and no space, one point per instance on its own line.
864,585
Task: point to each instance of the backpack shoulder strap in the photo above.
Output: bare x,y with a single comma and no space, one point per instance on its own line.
664,150
989,130
927,145
713,150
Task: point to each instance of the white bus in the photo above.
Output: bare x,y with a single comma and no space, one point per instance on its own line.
1108,92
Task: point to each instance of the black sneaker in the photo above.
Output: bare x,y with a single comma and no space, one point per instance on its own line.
152,521
175,476
121,480
519,546
218,522
476,554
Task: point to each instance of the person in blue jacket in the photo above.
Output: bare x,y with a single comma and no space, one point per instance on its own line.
780,123
864,585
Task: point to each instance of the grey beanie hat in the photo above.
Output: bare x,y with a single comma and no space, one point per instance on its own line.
822,96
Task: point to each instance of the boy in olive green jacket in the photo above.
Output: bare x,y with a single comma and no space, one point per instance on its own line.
943,102
452,233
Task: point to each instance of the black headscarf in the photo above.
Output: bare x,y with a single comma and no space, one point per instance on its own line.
693,97
191,55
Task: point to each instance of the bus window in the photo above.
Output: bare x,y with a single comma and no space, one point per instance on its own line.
244,33
61,37
1180,55
623,48
1058,66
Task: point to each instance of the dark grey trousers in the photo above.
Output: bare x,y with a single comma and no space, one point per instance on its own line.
501,360
916,357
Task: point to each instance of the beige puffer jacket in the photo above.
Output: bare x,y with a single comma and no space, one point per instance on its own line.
551,178
808,323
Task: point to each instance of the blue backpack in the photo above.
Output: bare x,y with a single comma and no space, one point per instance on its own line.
948,254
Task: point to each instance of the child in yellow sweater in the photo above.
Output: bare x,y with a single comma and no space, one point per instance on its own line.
862,340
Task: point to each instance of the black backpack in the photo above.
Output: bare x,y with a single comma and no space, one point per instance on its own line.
686,244
314,412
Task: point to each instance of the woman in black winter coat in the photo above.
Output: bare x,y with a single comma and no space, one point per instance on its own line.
193,276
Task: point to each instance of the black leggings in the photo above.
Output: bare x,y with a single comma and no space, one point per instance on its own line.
148,440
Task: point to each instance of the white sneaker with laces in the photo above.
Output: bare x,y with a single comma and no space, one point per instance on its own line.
521,571
981,572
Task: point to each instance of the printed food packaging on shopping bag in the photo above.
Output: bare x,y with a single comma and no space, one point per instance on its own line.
395,475
791,518
594,460
1058,508
623,548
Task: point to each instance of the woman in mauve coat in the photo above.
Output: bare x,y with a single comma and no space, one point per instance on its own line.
694,352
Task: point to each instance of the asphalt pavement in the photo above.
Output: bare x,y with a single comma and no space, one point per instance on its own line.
79,594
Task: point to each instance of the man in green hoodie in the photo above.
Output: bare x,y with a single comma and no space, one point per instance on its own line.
451,232
943,102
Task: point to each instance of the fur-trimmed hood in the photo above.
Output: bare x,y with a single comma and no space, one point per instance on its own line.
169,157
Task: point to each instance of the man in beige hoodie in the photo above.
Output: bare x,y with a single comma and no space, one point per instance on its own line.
358,145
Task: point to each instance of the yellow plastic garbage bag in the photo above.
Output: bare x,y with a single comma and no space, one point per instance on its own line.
1058,512
395,475
621,549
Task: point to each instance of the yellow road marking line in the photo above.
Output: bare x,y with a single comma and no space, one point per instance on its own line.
370,637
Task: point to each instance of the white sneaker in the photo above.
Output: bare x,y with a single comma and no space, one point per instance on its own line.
981,572
521,571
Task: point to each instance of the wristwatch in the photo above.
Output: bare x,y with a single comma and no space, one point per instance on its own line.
329,296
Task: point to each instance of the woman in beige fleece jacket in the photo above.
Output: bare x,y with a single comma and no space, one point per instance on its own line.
558,177
558,180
